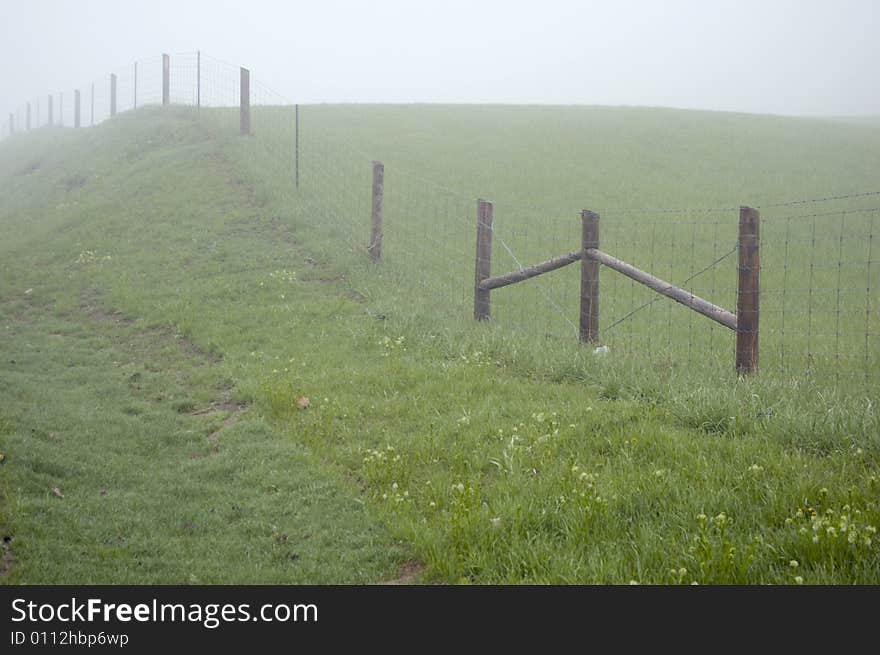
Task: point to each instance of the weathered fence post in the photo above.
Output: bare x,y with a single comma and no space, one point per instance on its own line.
76,109
27,117
589,318
166,79
296,122
135,103
245,101
198,80
50,112
112,94
376,214
483,260
748,291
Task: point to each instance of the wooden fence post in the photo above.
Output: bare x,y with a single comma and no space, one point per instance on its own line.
748,291
61,109
589,317
198,80
245,102
135,104
76,109
112,94
166,80
296,122
483,261
376,233
27,117
11,124
50,111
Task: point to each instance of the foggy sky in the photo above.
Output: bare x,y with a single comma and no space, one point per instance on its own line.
803,58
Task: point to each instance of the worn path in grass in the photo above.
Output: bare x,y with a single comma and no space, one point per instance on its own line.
149,299
129,458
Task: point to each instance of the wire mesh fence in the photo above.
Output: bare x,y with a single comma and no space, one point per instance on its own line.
819,276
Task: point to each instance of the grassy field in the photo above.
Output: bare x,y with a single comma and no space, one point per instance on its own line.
168,299
667,183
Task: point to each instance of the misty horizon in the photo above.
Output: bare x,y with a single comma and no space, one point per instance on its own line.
799,59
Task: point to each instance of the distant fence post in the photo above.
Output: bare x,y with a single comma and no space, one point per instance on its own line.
135,102
50,112
112,94
166,79
11,124
748,291
296,123
61,109
376,214
245,101
589,317
483,260
27,117
76,109
198,80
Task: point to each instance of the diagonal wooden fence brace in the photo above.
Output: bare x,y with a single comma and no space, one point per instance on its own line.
589,314
744,323
506,279
664,288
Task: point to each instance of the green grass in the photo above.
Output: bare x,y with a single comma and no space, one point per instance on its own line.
542,165
481,452
167,475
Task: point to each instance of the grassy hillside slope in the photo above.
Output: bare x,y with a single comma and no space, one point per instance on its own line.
131,455
166,309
